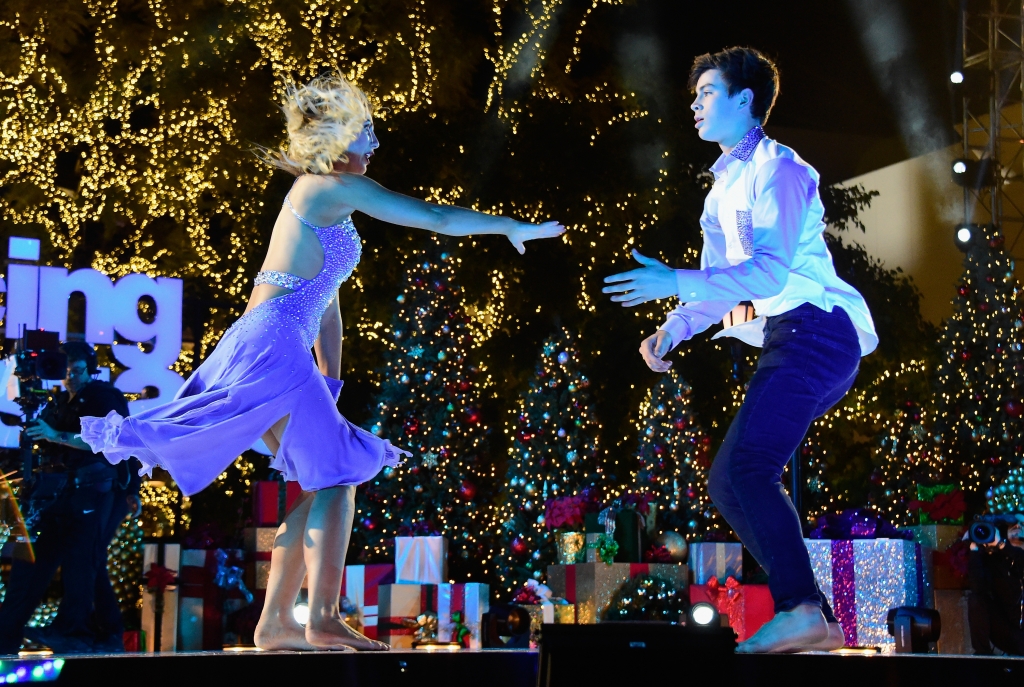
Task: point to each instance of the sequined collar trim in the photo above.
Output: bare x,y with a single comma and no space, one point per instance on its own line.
745,148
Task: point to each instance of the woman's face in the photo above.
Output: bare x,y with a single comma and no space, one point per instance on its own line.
360,151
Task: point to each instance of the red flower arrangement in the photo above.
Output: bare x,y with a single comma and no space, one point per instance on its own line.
565,513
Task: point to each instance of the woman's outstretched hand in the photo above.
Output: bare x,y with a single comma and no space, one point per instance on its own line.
521,233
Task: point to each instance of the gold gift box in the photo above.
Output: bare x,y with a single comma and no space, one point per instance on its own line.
596,583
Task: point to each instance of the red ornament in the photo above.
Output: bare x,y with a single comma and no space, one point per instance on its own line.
412,425
1014,407
463,385
993,460
983,307
467,490
659,450
518,546
990,279
996,242
965,354
418,281
963,290
473,417
680,423
876,477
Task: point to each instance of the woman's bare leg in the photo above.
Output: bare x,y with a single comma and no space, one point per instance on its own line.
328,527
277,628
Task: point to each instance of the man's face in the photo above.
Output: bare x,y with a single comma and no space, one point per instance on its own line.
717,116
78,376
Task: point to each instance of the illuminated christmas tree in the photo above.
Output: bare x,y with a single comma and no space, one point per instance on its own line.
978,399
672,453
553,454
907,456
124,566
429,403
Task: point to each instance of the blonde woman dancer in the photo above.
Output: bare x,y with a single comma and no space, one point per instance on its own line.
262,381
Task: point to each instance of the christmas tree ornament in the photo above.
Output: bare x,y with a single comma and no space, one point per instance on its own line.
674,544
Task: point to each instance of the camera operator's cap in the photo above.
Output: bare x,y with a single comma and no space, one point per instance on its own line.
21,248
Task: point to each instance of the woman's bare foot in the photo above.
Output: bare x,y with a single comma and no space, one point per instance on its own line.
835,640
333,634
281,635
803,626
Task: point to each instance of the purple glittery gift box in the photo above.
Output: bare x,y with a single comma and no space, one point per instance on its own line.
863,579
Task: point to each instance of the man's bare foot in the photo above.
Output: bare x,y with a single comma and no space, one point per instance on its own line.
332,634
281,635
835,640
802,626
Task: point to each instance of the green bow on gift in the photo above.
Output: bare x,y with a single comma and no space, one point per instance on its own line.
460,632
606,547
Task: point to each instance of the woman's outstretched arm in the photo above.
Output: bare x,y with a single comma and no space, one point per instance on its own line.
369,197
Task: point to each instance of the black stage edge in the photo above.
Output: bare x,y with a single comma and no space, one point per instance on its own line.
522,669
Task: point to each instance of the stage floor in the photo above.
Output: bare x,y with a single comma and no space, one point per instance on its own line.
514,668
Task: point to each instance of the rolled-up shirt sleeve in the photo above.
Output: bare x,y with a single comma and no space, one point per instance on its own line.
782,192
691,318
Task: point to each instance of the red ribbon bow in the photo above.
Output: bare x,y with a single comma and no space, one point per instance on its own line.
159,577
732,588
943,507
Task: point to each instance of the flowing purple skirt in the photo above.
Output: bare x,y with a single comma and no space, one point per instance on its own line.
261,371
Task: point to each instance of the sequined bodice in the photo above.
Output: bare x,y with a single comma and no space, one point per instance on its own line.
310,297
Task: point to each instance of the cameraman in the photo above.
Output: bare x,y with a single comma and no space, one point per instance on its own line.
995,606
74,532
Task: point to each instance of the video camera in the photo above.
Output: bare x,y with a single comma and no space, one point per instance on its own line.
37,358
983,530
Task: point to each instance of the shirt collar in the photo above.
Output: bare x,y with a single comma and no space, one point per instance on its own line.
745,148
743,151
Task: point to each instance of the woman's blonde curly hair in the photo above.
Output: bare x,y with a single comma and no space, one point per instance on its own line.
323,118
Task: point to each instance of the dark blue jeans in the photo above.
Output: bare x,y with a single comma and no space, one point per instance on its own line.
808,363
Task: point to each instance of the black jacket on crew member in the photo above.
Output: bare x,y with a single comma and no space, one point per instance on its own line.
74,533
995,606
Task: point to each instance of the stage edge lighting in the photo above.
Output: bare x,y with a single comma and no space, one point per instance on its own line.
703,614
913,628
301,614
957,77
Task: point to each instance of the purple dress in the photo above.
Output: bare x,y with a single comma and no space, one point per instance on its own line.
262,370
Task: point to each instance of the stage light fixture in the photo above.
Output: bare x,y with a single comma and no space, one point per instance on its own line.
957,77
964,235
913,628
975,174
301,614
703,614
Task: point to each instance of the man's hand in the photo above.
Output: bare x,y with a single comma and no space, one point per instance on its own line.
135,503
654,348
41,430
520,232
652,281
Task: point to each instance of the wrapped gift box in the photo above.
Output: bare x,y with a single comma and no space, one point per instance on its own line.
472,600
590,586
360,584
160,628
268,508
259,545
630,535
748,606
398,603
937,537
863,579
943,574
202,605
421,560
956,633
720,560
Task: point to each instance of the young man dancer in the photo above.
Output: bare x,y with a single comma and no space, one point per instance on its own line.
763,241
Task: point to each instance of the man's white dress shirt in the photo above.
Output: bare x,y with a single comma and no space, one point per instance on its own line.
763,242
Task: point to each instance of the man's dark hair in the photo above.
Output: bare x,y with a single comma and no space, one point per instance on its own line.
151,391
80,351
742,68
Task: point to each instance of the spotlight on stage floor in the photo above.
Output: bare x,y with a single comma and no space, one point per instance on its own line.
913,628
703,614
612,652
964,235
